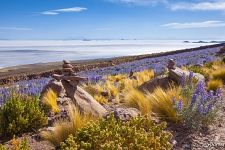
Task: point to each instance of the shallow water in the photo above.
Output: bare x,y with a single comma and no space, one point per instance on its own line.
13,53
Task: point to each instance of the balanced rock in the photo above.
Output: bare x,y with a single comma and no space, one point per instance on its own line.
177,73
171,64
66,62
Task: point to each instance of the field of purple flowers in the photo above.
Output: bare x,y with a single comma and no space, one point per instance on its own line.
158,64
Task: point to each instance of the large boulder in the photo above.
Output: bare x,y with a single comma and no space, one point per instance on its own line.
84,101
55,86
160,81
177,73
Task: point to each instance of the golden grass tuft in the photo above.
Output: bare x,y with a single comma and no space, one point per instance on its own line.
50,99
63,128
162,102
137,99
214,84
219,74
144,76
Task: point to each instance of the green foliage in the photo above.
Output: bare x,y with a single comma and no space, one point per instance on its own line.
17,145
2,147
21,114
112,134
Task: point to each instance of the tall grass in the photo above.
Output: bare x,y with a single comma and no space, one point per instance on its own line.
137,99
63,128
116,86
144,76
215,84
162,102
50,99
219,74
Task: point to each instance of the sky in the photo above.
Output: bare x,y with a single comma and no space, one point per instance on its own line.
112,19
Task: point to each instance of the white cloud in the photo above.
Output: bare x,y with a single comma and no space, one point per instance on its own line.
63,10
15,28
49,13
210,5
139,2
73,9
205,24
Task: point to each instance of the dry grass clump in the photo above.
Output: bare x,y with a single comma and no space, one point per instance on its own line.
50,99
219,74
116,86
144,76
137,99
162,102
63,128
214,84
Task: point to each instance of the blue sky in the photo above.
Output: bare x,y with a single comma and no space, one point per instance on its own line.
112,19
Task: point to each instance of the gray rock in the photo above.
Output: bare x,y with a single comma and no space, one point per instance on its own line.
177,73
125,114
56,86
160,81
84,101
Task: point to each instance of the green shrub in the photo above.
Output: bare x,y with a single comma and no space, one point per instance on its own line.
111,134
21,114
17,144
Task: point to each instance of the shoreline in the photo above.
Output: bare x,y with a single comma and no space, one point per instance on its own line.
34,71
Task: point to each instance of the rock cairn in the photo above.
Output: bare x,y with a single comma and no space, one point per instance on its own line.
171,64
68,74
65,85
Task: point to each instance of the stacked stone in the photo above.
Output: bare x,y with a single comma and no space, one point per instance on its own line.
67,68
68,74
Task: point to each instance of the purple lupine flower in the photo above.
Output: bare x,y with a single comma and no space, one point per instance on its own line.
199,88
210,95
219,93
208,109
200,109
183,79
191,75
204,96
193,99
180,105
